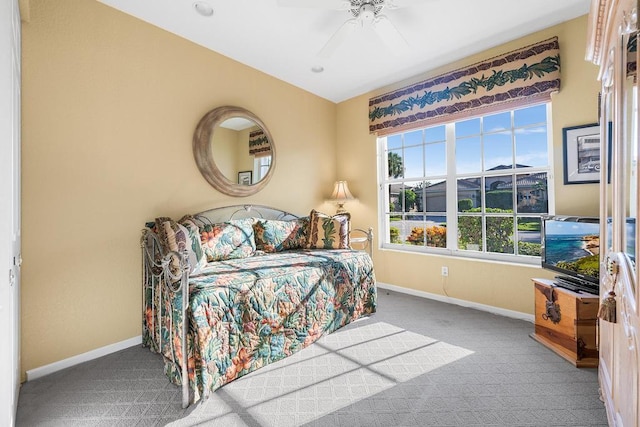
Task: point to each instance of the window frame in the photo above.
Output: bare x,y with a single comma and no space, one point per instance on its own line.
451,180
260,169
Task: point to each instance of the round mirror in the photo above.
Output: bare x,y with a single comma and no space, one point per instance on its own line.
234,151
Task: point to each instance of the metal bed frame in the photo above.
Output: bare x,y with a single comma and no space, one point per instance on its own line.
157,274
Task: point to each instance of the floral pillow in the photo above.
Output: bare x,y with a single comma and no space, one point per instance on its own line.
328,232
197,259
279,235
228,240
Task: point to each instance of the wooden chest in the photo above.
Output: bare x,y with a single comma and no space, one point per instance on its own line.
574,335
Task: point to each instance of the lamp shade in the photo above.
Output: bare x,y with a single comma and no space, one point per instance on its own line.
341,192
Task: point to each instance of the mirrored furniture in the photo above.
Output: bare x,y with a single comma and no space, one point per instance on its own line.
612,44
234,151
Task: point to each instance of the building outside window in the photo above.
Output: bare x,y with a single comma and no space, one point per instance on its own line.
477,187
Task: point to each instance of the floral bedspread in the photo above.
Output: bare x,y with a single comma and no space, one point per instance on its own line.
246,313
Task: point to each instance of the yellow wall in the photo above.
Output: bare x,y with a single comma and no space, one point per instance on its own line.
497,284
109,108
224,145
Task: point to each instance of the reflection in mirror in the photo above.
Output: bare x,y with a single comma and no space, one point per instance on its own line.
606,230
630,112
234,151
239,146
606,148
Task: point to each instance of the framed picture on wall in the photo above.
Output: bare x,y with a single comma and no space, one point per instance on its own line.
244,177
581,150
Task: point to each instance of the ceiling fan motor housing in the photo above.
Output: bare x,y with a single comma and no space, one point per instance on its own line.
366,10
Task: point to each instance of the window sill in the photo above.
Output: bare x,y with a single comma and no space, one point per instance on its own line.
525,261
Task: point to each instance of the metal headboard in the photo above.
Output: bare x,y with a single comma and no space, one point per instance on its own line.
360,238
226,213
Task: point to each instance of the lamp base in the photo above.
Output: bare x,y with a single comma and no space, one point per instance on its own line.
341,209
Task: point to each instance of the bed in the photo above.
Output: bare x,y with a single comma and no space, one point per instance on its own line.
242,313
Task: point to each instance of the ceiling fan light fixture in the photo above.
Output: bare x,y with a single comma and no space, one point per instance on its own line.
203,8
367,12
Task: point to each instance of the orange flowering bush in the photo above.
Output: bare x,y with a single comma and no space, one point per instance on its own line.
436,236
416,237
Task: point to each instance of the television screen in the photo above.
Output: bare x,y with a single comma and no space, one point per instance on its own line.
630,239
571,246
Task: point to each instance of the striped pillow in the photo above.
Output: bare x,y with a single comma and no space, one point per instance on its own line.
328,232
173,238
197,259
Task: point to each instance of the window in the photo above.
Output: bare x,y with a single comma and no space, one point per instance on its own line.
261,166
476,187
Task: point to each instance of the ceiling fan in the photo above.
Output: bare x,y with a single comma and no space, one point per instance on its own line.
364,13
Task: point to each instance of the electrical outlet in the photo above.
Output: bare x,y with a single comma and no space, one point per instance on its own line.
445,271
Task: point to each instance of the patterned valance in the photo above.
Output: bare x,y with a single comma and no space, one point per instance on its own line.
521,77
259,144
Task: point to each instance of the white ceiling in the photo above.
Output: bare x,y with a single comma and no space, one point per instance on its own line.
284,41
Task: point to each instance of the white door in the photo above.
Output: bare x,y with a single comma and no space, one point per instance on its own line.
622,360
9,210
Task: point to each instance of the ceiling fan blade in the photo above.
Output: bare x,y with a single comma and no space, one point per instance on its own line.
317,4
397,4
339,37
390,34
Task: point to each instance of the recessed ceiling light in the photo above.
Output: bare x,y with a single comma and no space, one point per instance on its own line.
203,8
317,68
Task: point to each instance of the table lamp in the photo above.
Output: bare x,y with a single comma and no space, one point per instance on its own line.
341,195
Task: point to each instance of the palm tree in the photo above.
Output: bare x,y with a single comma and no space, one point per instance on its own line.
396,168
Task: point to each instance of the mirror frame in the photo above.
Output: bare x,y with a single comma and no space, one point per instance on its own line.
203,152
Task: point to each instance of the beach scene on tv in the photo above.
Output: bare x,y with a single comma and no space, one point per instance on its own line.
573,246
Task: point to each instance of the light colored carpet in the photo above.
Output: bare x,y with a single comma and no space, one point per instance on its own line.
416,362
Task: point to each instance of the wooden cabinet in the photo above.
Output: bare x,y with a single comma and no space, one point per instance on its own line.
612,44
571,330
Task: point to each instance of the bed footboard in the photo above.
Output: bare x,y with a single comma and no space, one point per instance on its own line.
362,239
164,277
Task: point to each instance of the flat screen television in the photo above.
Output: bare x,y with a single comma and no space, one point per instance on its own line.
571,246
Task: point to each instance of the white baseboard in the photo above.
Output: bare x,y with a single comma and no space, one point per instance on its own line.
491,309
84,357
112,348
